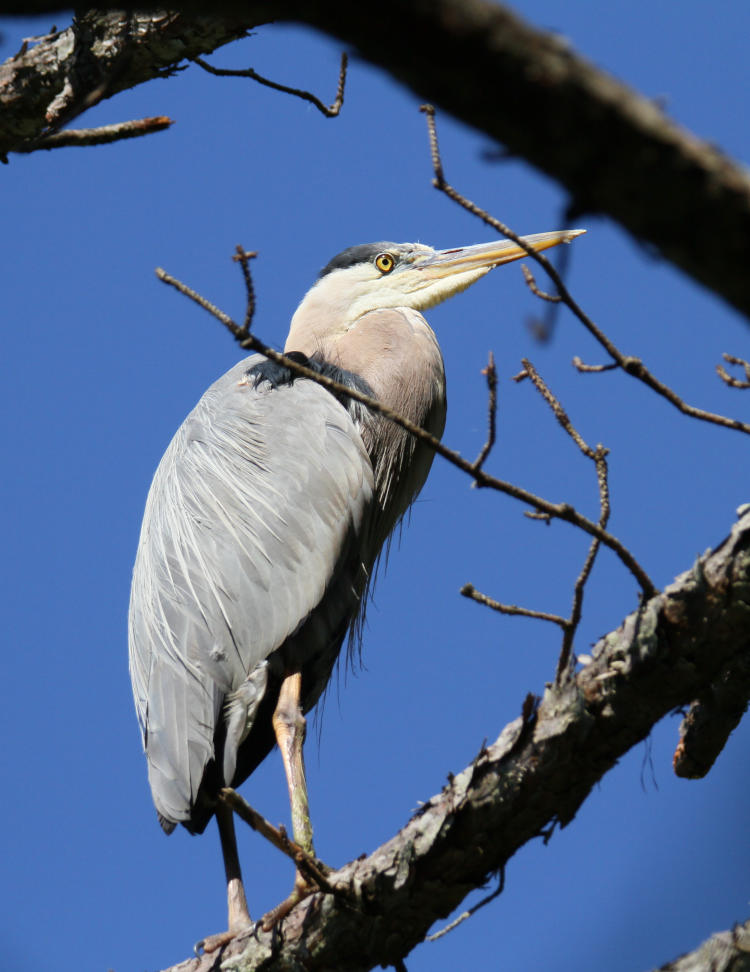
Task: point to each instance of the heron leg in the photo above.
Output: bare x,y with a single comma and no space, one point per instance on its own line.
239,916
289,725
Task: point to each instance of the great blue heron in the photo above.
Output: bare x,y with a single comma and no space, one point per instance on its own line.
263,525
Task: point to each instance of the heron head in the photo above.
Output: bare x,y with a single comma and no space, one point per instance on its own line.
374,276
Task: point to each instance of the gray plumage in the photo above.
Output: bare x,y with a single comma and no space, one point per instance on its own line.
264,523
253,520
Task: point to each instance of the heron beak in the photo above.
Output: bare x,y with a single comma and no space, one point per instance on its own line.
485,256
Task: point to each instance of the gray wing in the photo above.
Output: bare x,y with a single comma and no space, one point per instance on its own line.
260,494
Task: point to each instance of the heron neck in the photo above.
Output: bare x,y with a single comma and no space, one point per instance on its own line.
396,352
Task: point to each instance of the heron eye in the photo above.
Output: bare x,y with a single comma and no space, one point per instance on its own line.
385,262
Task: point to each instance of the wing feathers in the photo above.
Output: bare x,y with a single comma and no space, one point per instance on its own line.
261,497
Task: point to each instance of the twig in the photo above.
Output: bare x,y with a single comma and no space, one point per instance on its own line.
576,611
313,869
537,515
330,111
542,329
631,365
471,911
560,414
599,457
528,276
186,291
490,372
726,377
468,590
98,136
585,368
562,511
243,257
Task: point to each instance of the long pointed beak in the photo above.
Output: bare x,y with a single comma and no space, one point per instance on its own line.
445,263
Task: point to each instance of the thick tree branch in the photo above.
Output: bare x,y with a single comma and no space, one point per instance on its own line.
535,775
615,151
50,83
711,719
727,951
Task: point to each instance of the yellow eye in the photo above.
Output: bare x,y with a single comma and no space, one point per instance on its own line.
385,262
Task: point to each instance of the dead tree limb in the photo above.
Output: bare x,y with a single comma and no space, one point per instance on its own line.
537,774
49,83
727,951
613,149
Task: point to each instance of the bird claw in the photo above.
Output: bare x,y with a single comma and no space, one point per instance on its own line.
213,943
301,890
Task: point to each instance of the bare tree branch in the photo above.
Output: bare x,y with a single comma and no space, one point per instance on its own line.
536,775
654,178
727,951
528,276
48,84
629,364
330,111
727,378
468,590
711,719
613,149
103,135
599,457
579,365
490,373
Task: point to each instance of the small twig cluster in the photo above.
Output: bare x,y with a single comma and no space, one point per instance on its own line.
629,364
711,718
598,457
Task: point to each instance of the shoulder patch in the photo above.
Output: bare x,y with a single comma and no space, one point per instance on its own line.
277,375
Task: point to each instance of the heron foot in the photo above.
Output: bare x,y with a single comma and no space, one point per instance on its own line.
302,889
212,943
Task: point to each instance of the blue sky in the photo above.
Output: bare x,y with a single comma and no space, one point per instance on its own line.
100,365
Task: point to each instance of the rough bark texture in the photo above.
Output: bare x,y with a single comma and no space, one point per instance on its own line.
100,55
535,775
727,951
614,150
711,719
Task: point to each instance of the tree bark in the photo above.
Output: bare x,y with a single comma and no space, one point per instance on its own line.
100,55
727,951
